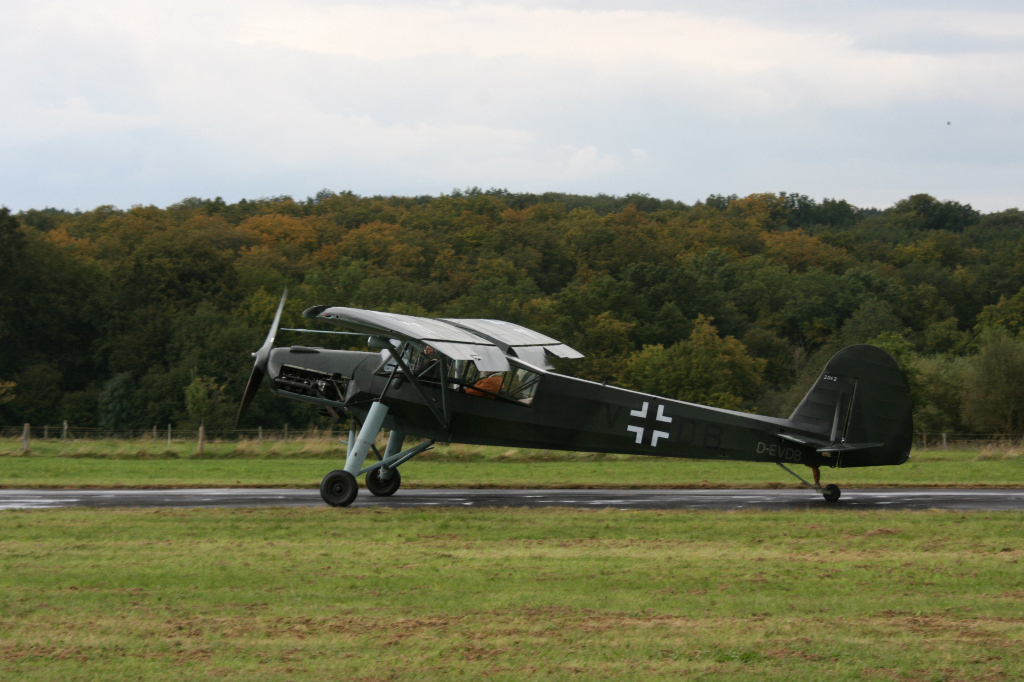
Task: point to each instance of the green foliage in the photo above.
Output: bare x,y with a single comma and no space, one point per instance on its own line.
705,368
12,241
605,342
941,382
994,396
7,391
204,401
922,211
81,407
902,350
117,403
1008,314
87,297
37,399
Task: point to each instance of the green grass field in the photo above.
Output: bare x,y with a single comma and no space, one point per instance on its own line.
142,463
277,594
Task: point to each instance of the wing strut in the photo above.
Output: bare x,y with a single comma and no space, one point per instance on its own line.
438,414
446,408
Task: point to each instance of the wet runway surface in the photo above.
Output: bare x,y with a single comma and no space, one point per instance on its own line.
905,498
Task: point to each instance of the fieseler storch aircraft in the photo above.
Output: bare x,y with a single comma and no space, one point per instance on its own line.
488,382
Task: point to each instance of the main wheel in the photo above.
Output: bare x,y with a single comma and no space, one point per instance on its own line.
339,488
382,487
831,492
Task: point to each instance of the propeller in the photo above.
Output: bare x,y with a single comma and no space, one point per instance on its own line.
259,368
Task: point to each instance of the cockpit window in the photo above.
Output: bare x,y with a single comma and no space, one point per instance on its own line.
517,384
423,362
521,384
387,362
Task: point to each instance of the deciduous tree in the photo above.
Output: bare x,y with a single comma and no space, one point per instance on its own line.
705,368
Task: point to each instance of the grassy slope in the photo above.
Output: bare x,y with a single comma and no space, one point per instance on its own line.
303,464
510,594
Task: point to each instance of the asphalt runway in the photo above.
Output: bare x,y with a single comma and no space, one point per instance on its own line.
724,500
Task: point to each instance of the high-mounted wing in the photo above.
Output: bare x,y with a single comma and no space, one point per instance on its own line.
484,342
521,342
456,343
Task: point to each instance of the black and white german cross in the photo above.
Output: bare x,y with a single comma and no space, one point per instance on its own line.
649,423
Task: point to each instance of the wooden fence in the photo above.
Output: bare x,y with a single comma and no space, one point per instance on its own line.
168,434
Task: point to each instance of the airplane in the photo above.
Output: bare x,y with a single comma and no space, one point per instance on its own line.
489,382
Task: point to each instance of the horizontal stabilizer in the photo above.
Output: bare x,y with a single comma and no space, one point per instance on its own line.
824,446
803,440
849,447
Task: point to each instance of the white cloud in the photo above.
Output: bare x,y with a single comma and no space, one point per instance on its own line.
237,98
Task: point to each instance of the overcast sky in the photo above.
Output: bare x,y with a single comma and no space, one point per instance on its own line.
127,102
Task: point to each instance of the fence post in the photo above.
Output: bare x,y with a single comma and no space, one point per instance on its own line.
202,438
168,434
285,433
46,432
154,433
24,438
261,435
64,432
944,446
924,441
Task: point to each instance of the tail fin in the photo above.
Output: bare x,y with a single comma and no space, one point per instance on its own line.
860,408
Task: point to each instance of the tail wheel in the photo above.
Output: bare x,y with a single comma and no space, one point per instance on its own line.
339,488
831,492
383,487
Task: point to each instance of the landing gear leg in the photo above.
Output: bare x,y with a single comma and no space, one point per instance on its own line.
339,488
830,492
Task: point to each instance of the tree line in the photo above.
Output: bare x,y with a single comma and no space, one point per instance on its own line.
128,318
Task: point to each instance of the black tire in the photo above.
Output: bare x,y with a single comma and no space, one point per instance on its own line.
383,488
339,488
831,492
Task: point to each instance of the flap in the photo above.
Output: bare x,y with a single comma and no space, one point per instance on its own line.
561,350
534,355
486,358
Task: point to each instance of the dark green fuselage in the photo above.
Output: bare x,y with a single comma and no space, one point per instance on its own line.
573,414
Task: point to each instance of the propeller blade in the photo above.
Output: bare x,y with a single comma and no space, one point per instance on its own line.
255,379
268,344
259,368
